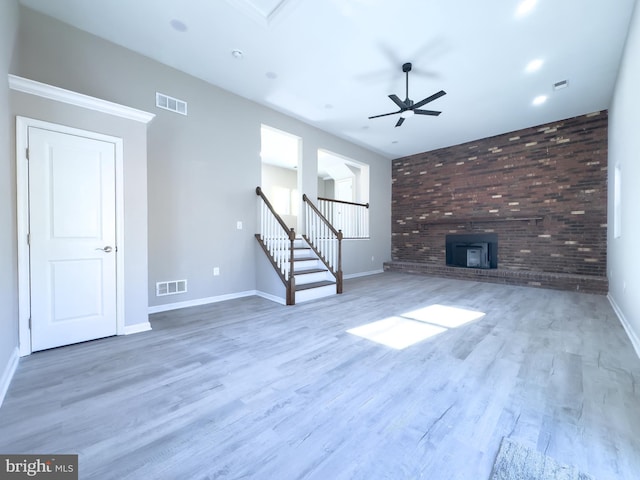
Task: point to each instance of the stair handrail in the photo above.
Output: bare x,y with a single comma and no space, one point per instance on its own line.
365,205
273,241
351,217
325,240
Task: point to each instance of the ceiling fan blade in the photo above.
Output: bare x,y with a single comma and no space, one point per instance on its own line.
397,101
433,97
400,121
426,112
425,73
385,114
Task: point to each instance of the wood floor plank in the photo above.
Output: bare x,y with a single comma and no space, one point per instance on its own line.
251,389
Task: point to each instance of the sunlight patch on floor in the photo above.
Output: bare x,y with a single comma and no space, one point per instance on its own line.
409,328
449,317
396,332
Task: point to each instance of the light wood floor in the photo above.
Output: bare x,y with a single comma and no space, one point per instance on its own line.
251,389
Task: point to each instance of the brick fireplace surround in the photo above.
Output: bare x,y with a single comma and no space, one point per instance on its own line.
542,190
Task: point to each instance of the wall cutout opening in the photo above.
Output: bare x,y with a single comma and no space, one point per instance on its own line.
280,153
343,193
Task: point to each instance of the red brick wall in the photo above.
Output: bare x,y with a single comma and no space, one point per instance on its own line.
556,171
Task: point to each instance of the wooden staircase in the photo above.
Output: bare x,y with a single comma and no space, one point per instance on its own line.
306,270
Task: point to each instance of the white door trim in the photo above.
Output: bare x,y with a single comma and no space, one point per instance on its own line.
22,193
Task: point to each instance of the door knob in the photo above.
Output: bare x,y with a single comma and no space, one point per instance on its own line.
106,249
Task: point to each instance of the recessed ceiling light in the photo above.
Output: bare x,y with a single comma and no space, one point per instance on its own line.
534,65
525,7
328,106
394,141
237,54
540,99
271,75
178,25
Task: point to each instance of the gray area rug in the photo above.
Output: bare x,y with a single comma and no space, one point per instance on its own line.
519,462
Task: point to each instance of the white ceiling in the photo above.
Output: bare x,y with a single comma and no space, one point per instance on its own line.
332,63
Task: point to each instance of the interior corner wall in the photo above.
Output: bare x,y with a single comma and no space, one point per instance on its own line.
9,15
202,168
624,152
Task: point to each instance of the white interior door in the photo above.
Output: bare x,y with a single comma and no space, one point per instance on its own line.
72,218
344,189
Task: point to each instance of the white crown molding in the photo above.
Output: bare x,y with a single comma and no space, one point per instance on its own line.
50,92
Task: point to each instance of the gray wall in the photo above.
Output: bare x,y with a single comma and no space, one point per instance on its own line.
134,137
624,151
8,235
202,169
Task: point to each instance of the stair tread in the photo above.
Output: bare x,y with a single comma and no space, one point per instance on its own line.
304,259
307,286
303,271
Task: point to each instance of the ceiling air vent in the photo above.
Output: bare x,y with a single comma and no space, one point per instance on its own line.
561,85
169,103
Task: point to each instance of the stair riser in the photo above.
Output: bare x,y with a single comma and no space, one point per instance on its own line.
315,293
306,264
303,252
313,277
300,253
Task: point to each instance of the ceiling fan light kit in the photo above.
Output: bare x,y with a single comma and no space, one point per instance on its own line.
407,107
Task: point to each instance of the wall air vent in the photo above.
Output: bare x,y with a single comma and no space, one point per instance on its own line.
171,288
169,103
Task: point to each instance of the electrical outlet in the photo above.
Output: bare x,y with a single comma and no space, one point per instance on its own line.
216,271
239,225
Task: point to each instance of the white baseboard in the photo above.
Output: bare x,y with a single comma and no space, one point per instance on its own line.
7,374
137,328
200,301
635,341
273,298
363,274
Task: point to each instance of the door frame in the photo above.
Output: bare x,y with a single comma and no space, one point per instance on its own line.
22,201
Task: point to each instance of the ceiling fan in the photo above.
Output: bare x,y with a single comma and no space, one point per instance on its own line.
407,107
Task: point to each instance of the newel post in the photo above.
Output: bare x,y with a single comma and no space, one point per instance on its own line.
339,270
291,288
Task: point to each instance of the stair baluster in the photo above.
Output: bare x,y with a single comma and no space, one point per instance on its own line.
277,240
